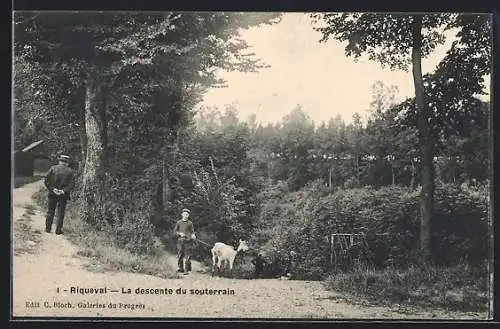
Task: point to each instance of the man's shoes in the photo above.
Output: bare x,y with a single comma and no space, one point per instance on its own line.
186,273
180,270
59,232
47,230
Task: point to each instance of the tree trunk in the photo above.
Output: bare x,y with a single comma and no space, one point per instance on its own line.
413,174
165,185
95,127
334,181
453,170
393,175
169,159
330,178
426,142
165,188
358,181
83,142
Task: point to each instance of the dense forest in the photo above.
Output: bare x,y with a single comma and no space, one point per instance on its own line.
120,94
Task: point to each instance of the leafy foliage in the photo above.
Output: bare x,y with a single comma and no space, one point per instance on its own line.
387,216
458,287
385,38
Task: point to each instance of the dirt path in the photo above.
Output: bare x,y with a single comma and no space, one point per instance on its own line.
54,265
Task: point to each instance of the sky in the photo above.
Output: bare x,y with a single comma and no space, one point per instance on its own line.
318,76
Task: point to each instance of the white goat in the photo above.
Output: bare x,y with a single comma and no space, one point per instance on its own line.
223,253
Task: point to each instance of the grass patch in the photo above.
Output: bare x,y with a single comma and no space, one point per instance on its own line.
25,239
21,181
459,288
102,255
109,258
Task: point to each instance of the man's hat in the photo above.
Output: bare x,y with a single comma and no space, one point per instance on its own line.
64,157
186,210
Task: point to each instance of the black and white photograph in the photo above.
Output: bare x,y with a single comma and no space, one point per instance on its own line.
251,165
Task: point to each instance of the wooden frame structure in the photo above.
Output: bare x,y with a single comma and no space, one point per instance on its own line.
345,242
341,243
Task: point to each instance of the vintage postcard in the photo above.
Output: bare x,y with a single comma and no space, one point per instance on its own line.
251,165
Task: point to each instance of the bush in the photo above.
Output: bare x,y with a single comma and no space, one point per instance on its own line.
460,227
124,209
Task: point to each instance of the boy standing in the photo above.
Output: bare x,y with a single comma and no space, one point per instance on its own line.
184,231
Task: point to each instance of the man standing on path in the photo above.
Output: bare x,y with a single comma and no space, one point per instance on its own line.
184,231
59,181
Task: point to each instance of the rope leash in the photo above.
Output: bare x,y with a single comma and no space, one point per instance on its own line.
206,244
200,241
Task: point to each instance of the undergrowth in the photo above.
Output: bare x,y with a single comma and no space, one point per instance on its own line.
461,287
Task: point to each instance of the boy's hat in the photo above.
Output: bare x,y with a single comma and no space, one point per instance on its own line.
186,210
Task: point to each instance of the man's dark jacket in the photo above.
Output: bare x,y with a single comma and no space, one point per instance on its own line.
60,177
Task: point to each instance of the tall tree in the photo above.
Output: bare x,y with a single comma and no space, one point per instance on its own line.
357,145
121,60
454,88
383,97
297,133
388,39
